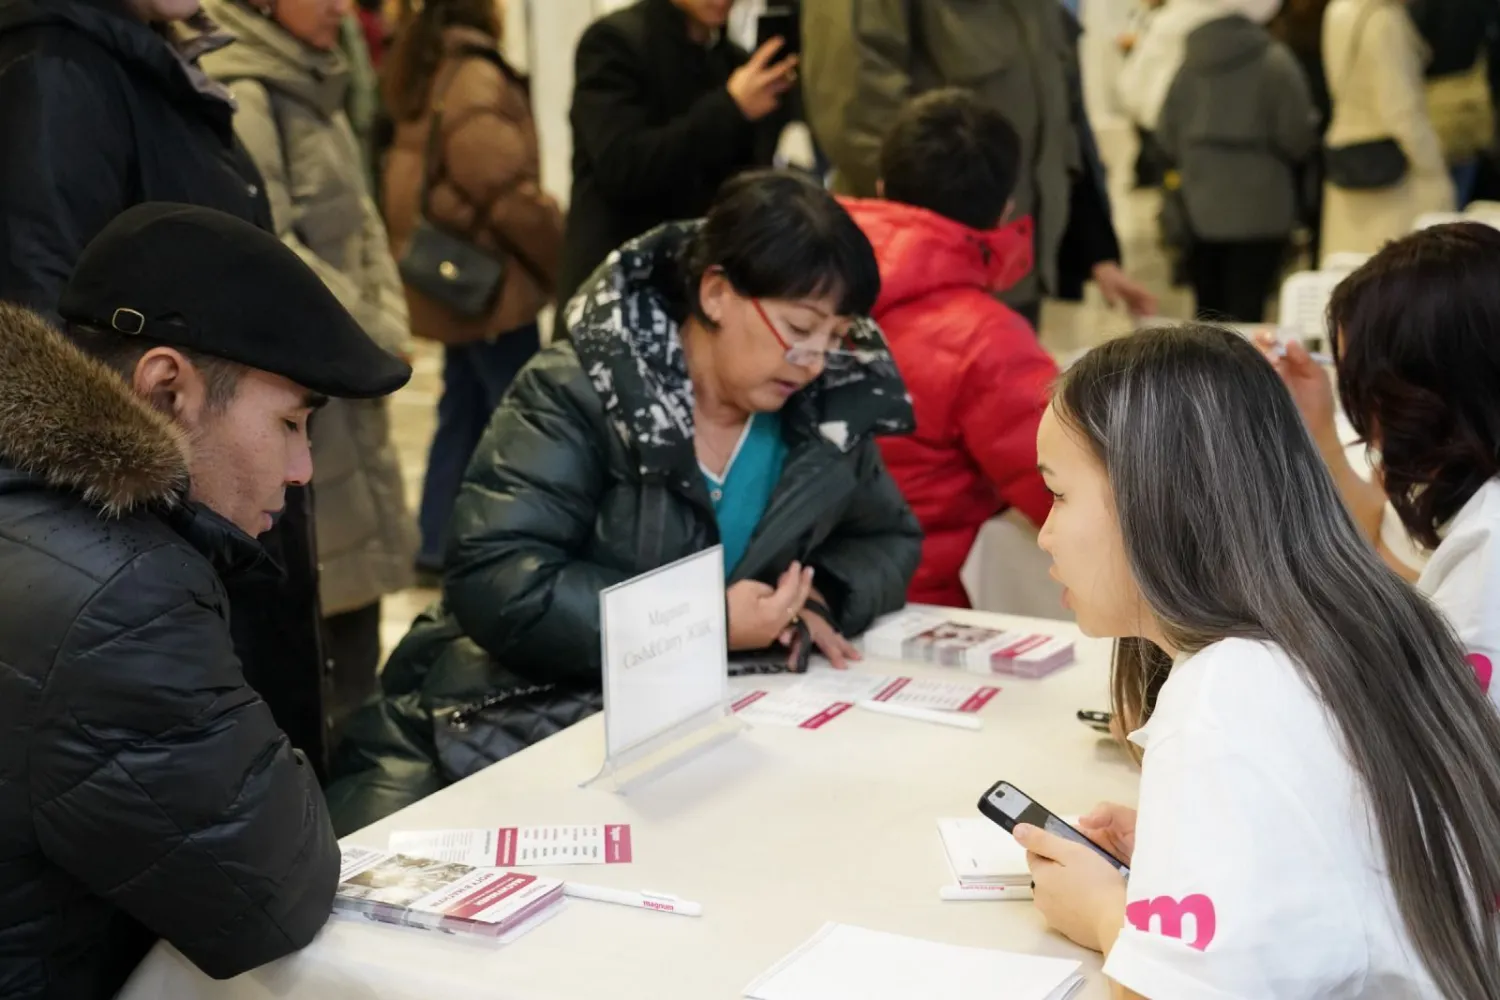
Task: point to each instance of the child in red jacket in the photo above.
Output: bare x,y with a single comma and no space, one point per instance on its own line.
977,376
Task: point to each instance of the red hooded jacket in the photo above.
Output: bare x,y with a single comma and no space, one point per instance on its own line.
978,379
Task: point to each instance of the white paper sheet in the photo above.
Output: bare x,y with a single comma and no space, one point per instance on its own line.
850,963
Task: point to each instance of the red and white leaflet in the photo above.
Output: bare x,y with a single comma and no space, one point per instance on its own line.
790,708
520,846
825,694
944,696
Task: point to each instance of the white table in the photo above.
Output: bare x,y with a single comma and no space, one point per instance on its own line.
774,833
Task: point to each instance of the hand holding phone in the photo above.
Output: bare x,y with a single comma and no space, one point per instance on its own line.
779,22
1008,806
1112,827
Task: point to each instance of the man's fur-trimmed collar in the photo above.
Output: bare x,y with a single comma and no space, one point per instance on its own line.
74,424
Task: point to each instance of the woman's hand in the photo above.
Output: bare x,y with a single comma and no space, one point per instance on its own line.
1081,895
1119,289
830,643
759,615
1309,385
1112,827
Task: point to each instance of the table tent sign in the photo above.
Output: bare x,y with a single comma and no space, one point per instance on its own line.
666,669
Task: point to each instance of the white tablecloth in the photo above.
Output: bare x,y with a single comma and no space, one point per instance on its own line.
774,833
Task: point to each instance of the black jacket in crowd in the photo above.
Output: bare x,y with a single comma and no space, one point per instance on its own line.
98,114
145,790
586,478
655,132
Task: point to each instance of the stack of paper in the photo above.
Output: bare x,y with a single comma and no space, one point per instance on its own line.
438,895
926,636
850,963
982,855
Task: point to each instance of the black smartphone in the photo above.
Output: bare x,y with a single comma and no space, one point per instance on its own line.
779,22
1008,806
1097,721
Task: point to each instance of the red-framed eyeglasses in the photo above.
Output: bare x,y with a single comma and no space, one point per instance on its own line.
806,357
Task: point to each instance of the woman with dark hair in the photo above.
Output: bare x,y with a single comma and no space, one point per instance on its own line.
466,142
1320,784
720,385
1418,365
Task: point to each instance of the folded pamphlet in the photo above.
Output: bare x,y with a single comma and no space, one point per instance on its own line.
825,694
842,962
519,846
440,895
924,636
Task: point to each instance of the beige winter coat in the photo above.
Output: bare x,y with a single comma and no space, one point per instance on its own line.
1378,93
291,119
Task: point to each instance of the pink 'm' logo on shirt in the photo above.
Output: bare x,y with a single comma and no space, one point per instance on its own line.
1170,912
1483,670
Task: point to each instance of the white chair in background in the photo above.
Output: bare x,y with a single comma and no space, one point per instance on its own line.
1429,219
1487,212
1304,304
1007,571
1343,263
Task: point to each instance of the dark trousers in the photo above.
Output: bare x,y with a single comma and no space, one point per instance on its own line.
1233,280
475,378
351,641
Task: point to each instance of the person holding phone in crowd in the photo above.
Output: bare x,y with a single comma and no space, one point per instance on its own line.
1417,363
720,385
665,109
1320,784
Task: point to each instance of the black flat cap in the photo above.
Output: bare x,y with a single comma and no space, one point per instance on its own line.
206,281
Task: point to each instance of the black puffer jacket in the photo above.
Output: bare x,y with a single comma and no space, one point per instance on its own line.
145,790
97,114
586,478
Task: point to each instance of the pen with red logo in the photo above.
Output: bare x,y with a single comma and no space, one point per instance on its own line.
658,901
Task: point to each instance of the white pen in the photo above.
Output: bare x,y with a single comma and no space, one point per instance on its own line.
658,901
960,720
979,893
1318,357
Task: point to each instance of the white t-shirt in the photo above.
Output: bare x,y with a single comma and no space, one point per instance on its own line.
1463,580
1257,872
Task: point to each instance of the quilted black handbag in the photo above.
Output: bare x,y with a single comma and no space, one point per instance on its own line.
471,737
445,267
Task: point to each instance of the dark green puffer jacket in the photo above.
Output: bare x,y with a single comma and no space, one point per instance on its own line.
586,478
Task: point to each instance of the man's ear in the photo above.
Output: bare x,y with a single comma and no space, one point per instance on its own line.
880,187
170,384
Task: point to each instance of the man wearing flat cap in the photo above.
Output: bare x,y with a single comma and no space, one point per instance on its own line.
145,790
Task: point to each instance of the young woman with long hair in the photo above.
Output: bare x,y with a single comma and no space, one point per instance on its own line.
1320,786
1418,365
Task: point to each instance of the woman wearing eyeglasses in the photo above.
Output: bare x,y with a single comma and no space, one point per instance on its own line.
721,385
